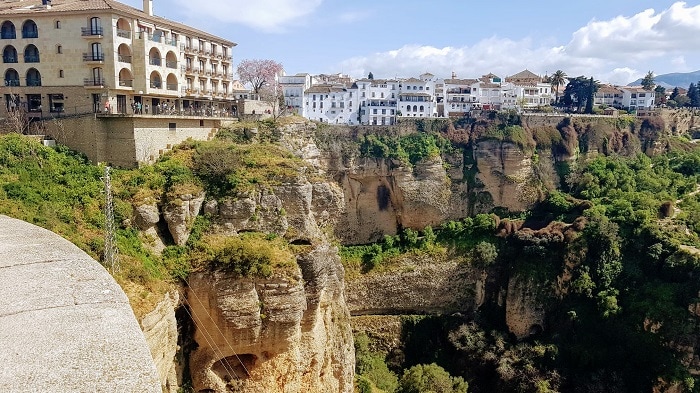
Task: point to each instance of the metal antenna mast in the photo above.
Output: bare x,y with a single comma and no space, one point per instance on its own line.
111,259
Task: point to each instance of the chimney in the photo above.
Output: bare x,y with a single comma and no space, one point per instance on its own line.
148,7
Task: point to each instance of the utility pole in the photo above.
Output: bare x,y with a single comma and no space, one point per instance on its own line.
111,257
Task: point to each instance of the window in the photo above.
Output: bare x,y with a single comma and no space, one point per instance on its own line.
172,126
57,24
59,49
60,73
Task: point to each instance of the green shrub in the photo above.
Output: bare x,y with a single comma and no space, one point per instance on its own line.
430,378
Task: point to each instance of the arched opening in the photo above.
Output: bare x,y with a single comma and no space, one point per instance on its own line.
30,30
7,31
124,53
9,54
123,28
154,57
33,77
422,108
156,80
171,60
415,108
234,367
126,79
31,54
11,77
171,82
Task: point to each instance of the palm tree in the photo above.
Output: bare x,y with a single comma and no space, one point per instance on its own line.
557,79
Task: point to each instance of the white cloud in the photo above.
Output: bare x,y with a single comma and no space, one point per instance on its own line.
266,15
607,50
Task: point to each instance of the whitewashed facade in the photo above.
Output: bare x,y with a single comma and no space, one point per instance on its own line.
293,88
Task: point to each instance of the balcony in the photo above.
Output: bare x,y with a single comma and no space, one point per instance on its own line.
126,83
227,58
30,34
33,81
91,31
171,64
187,48
9,59
94,82
11,82
171,86
171,42
31,58
91,57
155,62
156,85
124,58
124,34
8,35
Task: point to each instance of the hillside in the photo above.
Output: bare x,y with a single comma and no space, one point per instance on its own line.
675,79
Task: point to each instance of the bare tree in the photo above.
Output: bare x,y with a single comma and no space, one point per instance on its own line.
17,121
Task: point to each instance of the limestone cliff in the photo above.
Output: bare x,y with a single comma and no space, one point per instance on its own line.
161,331
282,334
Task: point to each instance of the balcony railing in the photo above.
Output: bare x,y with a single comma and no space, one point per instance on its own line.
94,82
123,33
9,59
8,35
126,83
155,62
124,58
171,42
156,85
171,64
91,31
93,57
30,34
11,82
31,58
171,86
33,81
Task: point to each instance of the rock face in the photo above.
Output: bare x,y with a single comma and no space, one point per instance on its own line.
419,285
160,329
282,334
66,324
524,312
180,214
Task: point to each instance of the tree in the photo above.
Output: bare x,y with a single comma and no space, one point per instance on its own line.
557,79
258,73
660,95
580,91
694,95
675,93
592,89
648,82
430,378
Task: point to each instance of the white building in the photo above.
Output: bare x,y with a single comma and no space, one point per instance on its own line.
458,96
293,88
333,104
488,92
528,91
635,97
378,101
417,97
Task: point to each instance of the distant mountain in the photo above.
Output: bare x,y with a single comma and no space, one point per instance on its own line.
679,79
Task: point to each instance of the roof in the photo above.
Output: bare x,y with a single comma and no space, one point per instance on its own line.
460,81
415,94
34,7
525,74
414,80
325,89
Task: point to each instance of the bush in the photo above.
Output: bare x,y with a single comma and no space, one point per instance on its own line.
430,378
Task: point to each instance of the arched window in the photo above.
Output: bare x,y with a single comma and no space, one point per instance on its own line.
156,80
126,79
33,77
9,54
154,57
7,31
31,54
171,60
59,49
11,77
171,82
57,24
415,108
60,73
124,53
123,28
408,108
421,108
96,53
30,30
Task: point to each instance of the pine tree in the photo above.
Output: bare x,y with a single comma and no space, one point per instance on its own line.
694,95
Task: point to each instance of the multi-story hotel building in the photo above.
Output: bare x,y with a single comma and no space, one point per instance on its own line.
84,56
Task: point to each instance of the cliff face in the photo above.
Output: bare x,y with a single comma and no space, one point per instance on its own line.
283,334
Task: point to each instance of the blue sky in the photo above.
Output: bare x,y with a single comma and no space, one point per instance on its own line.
615,41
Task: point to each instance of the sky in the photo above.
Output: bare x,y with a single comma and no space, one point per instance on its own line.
615,41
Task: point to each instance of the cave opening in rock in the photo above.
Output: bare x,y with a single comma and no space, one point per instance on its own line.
300,242
383,197
235,367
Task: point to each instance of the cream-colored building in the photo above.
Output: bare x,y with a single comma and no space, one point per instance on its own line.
83,56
